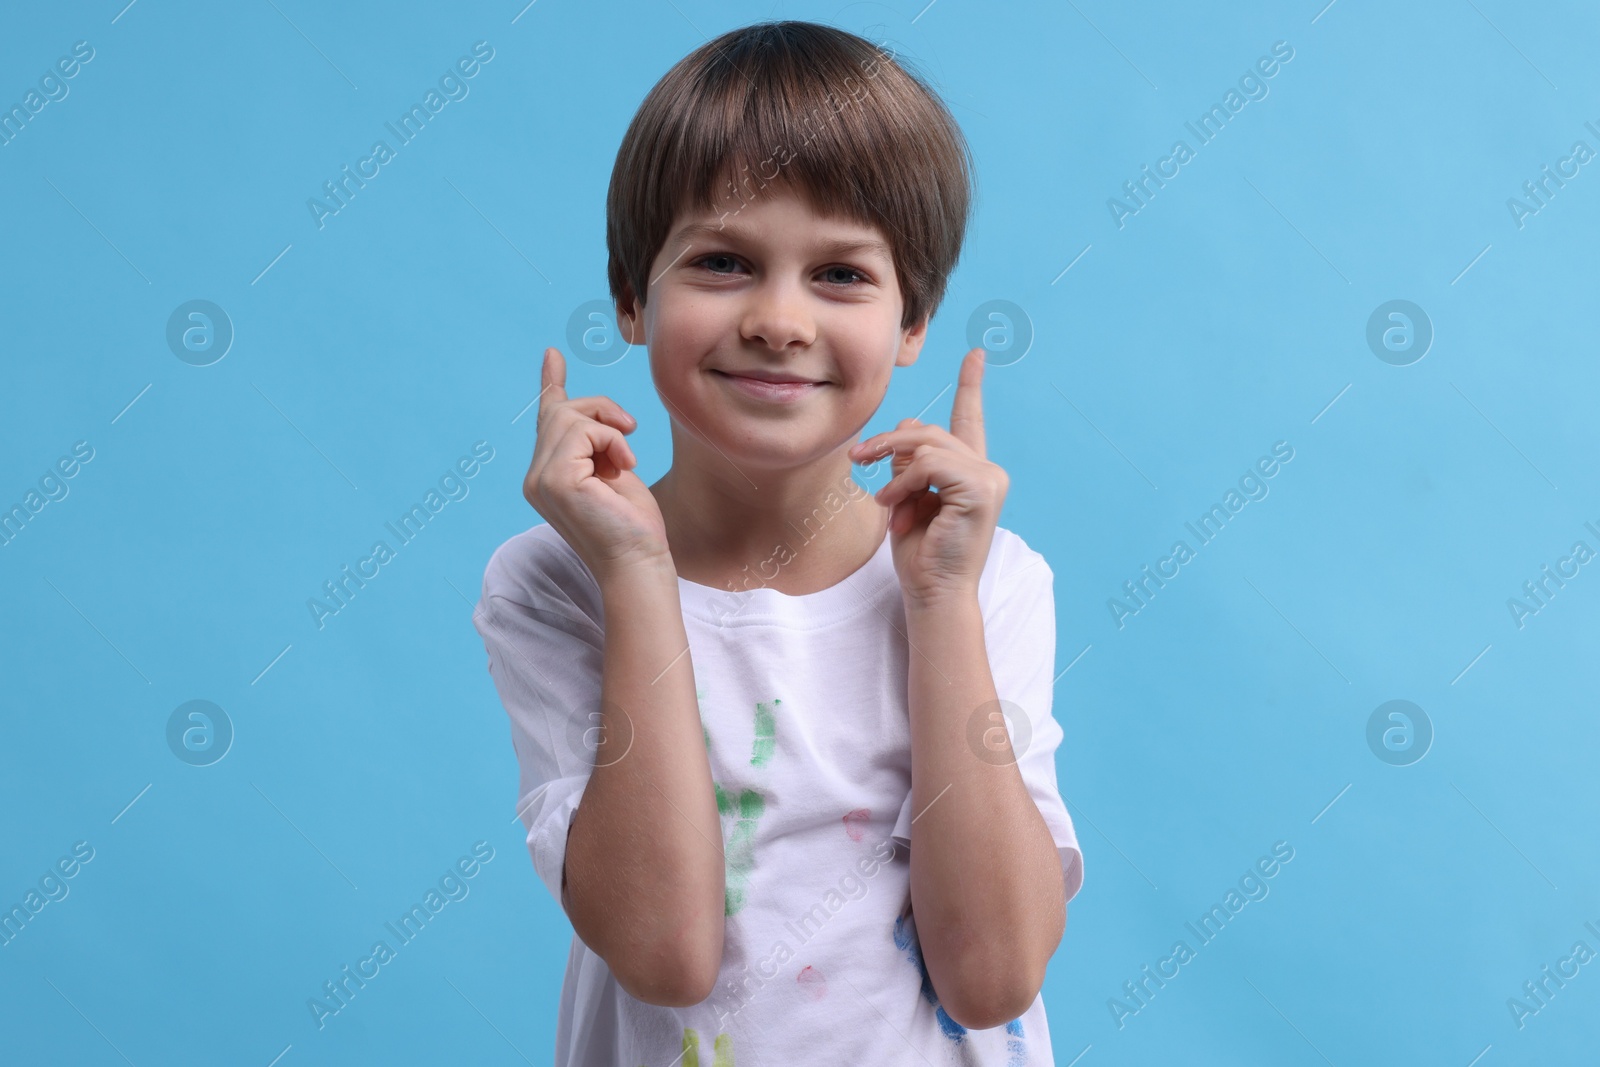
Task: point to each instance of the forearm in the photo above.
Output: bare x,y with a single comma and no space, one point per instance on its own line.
986,884
644,863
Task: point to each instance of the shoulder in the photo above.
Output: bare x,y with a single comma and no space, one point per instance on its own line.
538,569
1013,563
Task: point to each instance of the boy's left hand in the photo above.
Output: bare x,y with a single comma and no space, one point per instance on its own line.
941,539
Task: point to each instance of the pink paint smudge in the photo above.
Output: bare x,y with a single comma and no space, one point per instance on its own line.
811,983
855,822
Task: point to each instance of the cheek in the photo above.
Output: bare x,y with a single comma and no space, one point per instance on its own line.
678,344
686,328
867,382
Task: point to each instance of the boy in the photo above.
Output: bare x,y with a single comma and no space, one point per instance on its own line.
781,808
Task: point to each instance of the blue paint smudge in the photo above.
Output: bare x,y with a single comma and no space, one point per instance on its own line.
951,1029
1014,1044
905,940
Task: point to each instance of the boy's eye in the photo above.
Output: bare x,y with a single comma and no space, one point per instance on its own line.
857,275
717,260
714,258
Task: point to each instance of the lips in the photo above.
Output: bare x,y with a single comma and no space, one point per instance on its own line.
761,389
771,378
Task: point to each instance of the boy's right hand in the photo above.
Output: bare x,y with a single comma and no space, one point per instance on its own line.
581,479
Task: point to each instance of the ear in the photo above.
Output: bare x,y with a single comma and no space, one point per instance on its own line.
911,339
630,317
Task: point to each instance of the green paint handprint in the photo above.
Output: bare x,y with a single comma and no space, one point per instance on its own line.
766,741
741,843
747,806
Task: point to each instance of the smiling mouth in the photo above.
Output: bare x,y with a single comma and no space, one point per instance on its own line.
765,390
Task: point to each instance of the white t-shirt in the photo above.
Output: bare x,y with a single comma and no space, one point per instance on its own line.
803,701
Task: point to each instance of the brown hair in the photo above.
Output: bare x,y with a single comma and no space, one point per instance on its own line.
845,126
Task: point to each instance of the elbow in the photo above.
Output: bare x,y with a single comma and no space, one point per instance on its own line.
673,969
668,980
993,985
676,973
986,1008
667,959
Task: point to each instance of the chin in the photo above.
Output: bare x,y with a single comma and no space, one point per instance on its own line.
779,451
774,445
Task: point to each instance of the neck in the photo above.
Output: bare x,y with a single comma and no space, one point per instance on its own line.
795,530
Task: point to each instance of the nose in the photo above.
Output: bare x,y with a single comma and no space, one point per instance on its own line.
778,317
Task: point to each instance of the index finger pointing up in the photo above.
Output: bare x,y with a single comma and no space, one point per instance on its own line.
552,381
966,413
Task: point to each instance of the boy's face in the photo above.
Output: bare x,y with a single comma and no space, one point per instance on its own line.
771,288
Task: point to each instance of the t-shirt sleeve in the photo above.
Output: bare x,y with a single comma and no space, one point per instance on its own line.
545,656
1019,631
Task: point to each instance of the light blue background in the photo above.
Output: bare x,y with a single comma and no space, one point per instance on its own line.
1223,317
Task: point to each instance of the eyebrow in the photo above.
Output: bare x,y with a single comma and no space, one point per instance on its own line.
835,247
